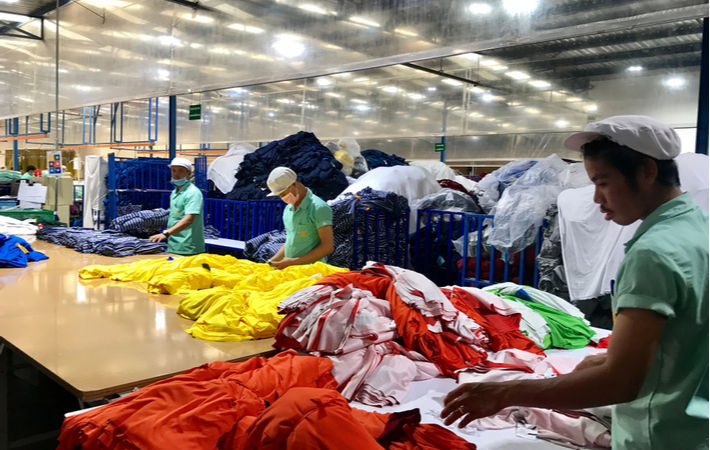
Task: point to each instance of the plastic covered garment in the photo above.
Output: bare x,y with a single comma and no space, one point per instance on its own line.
95,190
469,185
549,259
351,146
248,310
448,200
490,188
302,152
519,213
201,408
222,170
437,169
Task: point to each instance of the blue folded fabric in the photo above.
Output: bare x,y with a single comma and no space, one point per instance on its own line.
264,246
316,167
142,223
17,252
377,158
106,242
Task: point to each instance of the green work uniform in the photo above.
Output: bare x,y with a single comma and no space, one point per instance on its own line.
302,225
666,270
191,240
26,176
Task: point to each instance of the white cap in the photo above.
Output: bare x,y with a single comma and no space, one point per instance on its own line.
181,162
640,133
280,179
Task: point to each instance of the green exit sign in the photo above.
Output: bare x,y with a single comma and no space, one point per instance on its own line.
439,147
195,112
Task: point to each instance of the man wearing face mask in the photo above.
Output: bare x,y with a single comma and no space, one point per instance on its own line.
185,231
308,221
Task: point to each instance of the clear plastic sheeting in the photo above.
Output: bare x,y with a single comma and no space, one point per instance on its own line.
521,209
490,188
448,200
129,49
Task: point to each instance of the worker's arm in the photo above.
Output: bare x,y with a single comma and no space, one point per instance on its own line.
183,223
278,256
323,249
601,381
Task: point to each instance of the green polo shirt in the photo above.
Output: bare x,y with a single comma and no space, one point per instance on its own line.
666,270
302,225
191,240
26,176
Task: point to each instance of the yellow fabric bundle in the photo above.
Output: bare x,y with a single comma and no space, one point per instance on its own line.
231,299
249,311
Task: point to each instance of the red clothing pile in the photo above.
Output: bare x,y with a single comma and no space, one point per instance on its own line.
287,401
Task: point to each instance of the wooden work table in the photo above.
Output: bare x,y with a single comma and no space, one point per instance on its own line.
100,337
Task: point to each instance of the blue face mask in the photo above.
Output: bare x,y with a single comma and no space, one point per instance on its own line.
178,183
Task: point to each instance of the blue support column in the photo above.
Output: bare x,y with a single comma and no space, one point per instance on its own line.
701,136
15,153
172,127
442,155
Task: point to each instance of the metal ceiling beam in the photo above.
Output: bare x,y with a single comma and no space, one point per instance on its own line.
38,13
192,4
626,37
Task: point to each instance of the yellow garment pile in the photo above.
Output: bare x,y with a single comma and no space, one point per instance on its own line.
231,299
179,275
249,310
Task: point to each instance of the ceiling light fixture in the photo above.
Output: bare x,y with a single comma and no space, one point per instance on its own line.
561,123
539,83
391,89
634,69
451,82
313,8
431,89
323,82
289,47
406,32
487,97
480,8
591,108
674,82
517,75
519,7
362,107
198,18
364,21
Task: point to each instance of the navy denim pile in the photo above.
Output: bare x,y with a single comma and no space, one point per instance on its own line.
315,165
377,158
382,244
107,242
264,246
135,173
142,223
376,232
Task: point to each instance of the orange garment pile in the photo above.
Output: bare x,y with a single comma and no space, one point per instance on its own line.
287,401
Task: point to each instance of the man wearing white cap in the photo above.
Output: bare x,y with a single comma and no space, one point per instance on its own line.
308,221
185,231
658,351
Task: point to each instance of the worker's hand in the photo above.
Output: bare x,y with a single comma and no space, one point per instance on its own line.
591,361
472,401
283,263
160,237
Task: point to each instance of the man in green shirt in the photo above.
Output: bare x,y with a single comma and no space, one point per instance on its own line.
29,173
658,351
308,221
185,232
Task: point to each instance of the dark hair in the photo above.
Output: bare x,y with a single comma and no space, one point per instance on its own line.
629,162
32,168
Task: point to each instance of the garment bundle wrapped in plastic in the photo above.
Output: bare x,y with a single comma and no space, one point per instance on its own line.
522,207
222,170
